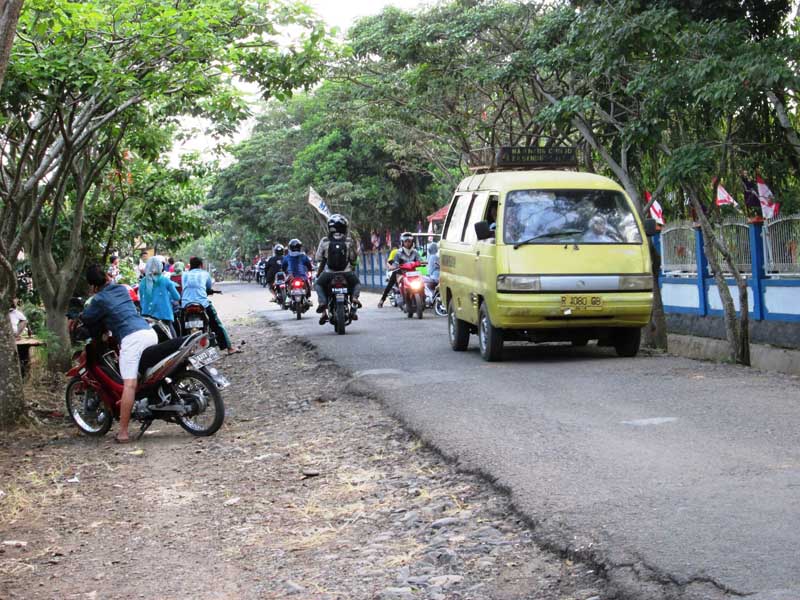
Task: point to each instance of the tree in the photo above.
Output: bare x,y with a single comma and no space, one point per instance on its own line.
84,72
9,15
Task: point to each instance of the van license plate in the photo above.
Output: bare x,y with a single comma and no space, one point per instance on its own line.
581,303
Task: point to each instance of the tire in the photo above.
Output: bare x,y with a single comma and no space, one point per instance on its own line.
409,305
298,311
580,342
458,330
76,398
490,338
195,382
420,301
340,319
627,341
439,307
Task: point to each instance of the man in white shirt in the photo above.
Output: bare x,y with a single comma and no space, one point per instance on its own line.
18,320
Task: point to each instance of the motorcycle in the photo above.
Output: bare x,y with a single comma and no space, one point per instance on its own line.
279,285
299,296
261,273
339,308
411,289
171,386
438,306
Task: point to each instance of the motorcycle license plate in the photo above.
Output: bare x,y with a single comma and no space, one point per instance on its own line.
581,303
194,324
339,290
206,357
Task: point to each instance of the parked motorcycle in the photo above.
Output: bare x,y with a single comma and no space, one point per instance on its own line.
171,386
339,306
299,301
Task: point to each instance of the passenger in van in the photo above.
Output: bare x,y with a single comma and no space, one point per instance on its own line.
598,230
491,216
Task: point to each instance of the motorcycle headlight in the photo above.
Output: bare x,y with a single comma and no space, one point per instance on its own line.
642,283
519,283
415,285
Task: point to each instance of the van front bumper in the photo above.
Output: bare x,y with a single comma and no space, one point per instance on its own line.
544,311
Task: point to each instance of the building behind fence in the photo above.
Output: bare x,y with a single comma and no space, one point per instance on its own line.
767,254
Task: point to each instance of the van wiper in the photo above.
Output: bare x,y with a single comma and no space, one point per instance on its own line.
547,235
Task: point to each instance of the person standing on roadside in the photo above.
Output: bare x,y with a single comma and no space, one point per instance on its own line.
196,287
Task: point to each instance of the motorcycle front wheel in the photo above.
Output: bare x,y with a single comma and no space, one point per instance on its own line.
195,389
408,301
438,306
89,413
420,300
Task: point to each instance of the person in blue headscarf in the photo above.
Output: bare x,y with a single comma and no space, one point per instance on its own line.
157,292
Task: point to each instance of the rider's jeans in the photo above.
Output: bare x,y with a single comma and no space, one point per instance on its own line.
324,283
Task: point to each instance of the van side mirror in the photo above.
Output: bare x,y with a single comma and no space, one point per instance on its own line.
650,227
483,231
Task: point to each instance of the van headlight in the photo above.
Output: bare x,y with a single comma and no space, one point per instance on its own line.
519,283
636,282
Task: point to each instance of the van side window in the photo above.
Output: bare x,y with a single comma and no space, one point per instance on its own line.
458,214
491,211
474,215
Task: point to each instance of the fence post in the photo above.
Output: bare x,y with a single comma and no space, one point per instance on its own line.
659,248
757,268
702,270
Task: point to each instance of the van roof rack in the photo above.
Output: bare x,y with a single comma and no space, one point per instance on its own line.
515,158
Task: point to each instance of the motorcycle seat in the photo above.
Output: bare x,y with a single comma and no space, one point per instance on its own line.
155,354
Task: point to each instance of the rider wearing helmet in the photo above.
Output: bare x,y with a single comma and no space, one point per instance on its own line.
297,264
405,254
273,266
330,259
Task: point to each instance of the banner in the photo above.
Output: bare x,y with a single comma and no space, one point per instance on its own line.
769,208
315,200
724,198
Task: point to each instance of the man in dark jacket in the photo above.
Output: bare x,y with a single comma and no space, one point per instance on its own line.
112,309
273,267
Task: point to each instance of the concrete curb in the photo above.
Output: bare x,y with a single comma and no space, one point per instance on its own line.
762,357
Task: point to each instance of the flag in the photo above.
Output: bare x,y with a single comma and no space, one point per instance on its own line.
724,198
315,200
655,208
769,208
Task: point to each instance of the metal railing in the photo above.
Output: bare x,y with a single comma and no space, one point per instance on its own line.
734,234
678,248
782,245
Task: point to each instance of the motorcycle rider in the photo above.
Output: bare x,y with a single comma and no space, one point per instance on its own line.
273,266
296,263
333,256
112,309
196,286
405,254
434,265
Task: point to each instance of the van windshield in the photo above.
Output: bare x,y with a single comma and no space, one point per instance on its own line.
569,217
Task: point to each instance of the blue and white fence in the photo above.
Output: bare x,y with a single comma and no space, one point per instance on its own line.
767,254
372,269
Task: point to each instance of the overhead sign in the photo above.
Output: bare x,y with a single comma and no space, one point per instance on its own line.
536,156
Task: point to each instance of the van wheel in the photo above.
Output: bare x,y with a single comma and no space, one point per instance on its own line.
458,330
490,337
626,342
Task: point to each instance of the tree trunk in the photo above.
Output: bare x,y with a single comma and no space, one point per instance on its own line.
12,401
59,346
9,15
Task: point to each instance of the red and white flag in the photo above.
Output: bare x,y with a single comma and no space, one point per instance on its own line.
724,197
655,209
769,208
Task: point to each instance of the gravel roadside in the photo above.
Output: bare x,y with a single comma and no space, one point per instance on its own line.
310,490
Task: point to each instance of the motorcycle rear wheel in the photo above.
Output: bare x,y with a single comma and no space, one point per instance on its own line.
340,318
298,310
95,422
438,306
189,383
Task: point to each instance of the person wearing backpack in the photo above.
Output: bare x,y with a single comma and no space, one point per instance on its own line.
336,253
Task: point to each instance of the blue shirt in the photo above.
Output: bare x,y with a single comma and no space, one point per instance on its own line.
157,303
113,308
296,264
196,285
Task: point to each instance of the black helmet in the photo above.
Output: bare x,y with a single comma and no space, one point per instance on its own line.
406,236
295,245
337,224
278,250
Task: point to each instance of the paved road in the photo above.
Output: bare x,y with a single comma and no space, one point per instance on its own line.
683,471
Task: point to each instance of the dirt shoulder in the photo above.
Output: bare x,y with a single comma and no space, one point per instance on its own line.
310,490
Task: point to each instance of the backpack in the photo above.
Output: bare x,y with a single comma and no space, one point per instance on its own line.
337,255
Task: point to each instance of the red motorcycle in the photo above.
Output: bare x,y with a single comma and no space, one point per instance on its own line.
299,295
171,386
411,285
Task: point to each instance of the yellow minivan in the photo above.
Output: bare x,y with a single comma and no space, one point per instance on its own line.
545,256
